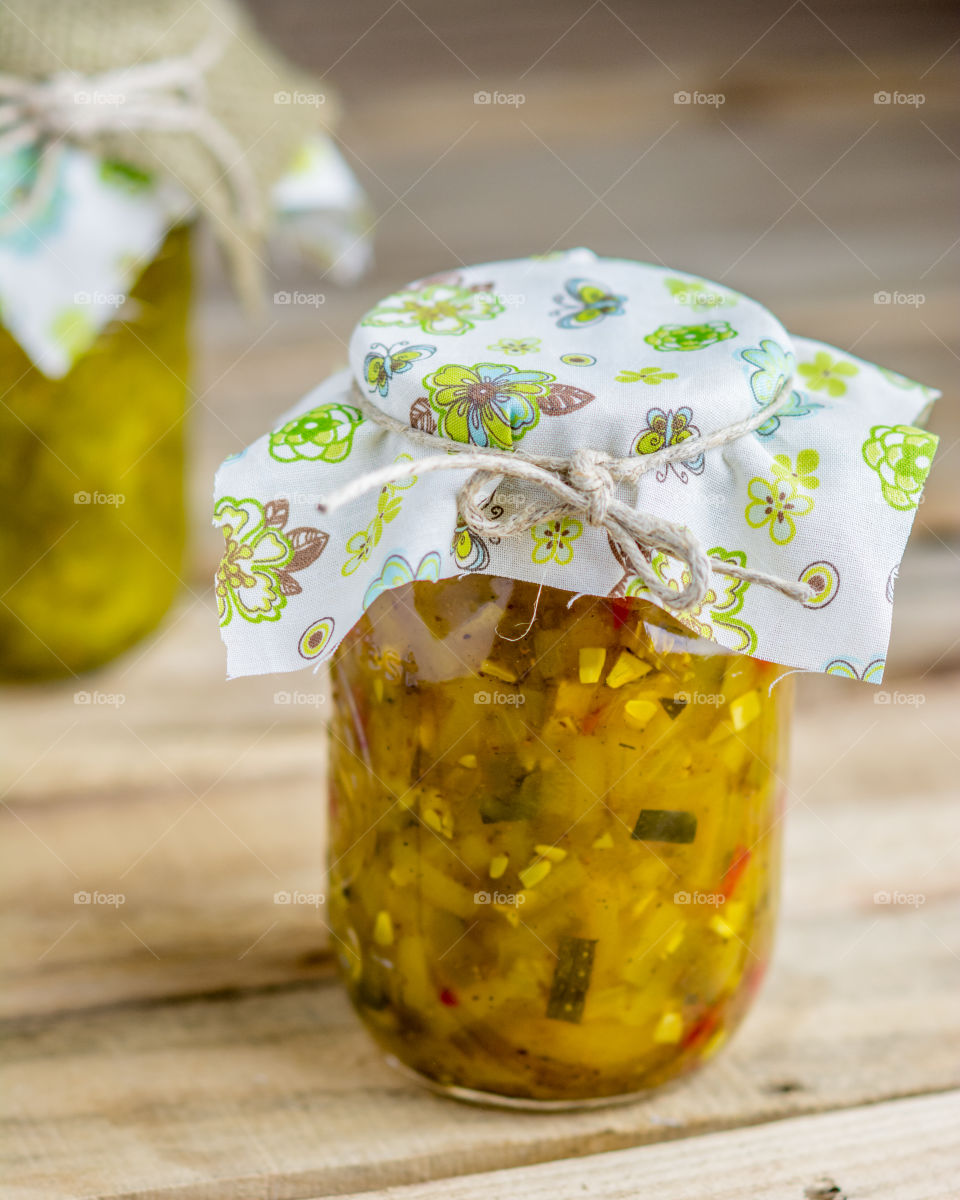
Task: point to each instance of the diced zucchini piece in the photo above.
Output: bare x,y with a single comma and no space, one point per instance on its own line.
664,825
383,929
498,671
604,841
498,865
468,760
592,659
637,713
554,853
744,709
535,873
571,979
668,1028
626,669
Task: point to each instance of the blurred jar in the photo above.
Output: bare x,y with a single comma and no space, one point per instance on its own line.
92,483
554,854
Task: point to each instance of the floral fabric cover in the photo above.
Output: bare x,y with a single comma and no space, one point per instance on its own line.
565,351
66,268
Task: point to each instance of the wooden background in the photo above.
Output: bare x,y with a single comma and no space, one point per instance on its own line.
192,1042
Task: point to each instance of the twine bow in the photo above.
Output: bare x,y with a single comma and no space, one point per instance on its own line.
583,484
165,96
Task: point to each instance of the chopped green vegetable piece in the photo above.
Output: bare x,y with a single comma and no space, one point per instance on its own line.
664,825
674,706
571,979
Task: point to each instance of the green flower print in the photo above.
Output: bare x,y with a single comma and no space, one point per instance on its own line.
901,455
324,434
494,404
669,428
19,191
689,337
125,176
652,375
315,638
361,545
552,540
871,673
720,606
779,503
397,571
437,309
527,345
801,475
826,374
469,549
255,577
774,366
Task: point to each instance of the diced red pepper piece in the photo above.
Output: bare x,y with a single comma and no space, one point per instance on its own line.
589,723
738,864
620,610
701,1029
449,998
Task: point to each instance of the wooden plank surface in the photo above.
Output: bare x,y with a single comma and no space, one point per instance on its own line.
193,1043
829,1157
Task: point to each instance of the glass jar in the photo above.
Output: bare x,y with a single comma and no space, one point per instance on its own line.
91,483
554,844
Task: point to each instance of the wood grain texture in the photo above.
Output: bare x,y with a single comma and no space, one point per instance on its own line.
829,1157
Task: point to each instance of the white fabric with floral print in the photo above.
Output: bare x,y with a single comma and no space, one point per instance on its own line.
571,351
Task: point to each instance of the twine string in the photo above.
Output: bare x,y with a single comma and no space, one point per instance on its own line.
584,485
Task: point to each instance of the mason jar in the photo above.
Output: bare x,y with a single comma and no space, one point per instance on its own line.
554,840
92,483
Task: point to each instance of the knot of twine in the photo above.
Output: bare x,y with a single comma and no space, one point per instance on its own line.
166,96
584,485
